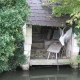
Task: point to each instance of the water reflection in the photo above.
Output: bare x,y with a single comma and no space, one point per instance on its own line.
42,74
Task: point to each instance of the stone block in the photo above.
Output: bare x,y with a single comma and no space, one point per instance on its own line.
24,26
24,29
68,53
75,49
27,47
38,45
74,60
74,41
28,40
27,53
25,67
29,31
24,32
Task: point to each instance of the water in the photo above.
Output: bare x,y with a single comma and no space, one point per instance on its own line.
44,73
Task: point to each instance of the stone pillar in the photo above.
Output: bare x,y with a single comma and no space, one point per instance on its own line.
27,32
68,48
74,52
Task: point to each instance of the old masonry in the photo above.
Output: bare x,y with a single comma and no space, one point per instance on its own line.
45,39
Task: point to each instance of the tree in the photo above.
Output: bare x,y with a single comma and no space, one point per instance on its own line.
71,7
13,14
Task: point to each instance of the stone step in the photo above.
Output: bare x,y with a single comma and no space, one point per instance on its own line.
36,35
38,45
36,32
37,38
50,61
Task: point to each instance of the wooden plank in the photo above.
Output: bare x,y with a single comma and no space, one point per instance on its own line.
49,62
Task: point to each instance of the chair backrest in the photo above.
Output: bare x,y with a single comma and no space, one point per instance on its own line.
56,35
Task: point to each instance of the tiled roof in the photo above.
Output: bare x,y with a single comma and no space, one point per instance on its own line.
40,15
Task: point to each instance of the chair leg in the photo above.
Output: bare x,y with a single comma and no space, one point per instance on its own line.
48,55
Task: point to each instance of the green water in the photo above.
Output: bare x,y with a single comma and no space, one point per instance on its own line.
48,73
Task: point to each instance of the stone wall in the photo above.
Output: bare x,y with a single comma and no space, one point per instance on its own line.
74,52
72,49
27,32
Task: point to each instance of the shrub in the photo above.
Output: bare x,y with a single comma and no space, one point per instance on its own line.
13,14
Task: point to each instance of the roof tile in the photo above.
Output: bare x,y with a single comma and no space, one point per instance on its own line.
43,16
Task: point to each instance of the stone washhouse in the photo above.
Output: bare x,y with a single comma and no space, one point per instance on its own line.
42,34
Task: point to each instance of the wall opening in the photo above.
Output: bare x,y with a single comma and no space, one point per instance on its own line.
42,38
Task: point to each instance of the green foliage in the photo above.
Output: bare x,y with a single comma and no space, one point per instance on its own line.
78,58
71,7
13,14
64,6
18,57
